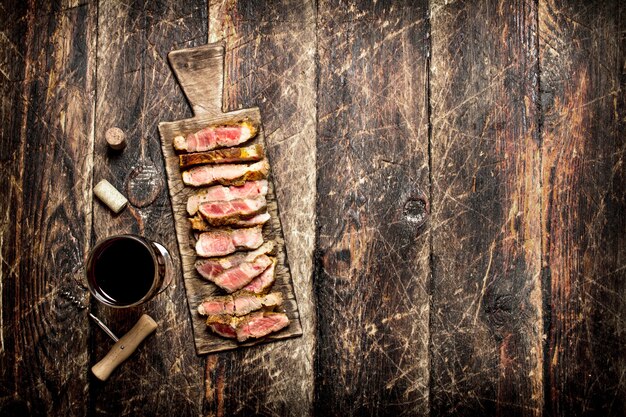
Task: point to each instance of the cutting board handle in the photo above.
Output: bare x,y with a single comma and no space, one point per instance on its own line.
200,72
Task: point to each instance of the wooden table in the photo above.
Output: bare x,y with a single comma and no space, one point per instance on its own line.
451,179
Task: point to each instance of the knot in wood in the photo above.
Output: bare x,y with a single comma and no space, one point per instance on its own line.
501,312
416,211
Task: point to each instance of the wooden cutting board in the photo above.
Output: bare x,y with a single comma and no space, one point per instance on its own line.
200,72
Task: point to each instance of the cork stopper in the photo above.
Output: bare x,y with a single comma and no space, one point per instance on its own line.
116,138
109,195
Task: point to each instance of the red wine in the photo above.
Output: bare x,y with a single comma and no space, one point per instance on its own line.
122,270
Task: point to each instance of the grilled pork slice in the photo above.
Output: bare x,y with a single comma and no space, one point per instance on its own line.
264,281
227,174
236,278
250,189
254,325
213,137
239,304
217,213
210,268
222,156
220,242
198,223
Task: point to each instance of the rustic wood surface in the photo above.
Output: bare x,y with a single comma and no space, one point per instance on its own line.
372,255
450,181
486,322
584,197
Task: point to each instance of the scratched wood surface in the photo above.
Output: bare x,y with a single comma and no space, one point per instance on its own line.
486,321
372,254
498,124
48,76
584,196
14,85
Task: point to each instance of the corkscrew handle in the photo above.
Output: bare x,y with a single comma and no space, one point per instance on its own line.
124,347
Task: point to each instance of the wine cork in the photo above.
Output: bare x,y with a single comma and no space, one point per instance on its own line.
109,195
116,138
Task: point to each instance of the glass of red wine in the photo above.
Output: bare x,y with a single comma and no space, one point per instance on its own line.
128,270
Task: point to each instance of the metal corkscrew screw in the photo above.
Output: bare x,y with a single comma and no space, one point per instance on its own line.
70,297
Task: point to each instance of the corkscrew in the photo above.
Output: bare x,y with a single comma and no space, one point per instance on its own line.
123,347
70,297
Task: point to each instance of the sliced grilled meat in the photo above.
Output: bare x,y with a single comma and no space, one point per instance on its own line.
218,213
199,224
239,304
254,325
264,281
220,242
210,268
250,189
235,278
260,324
222,156
214,137
227,174
223,325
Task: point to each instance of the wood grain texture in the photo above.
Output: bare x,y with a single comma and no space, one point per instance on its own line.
48,74
372,265
136,89
200,73
14,55
486,321
270,63
209,61
584,200
527,206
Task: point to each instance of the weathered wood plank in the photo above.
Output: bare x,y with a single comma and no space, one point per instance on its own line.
47,70
270,50
14,28
136,90
486,321
584,200
372,268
